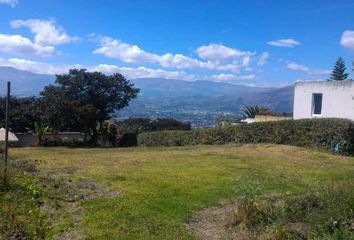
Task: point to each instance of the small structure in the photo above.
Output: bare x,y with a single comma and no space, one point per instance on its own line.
12,136
329,99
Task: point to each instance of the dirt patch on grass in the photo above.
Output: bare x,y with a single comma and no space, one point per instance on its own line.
65,195
69,190
211,224
217,223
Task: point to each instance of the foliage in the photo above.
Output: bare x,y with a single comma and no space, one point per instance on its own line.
166,138
40,130
252,111
128,140
80,99
24,112
139,125
108,132
322,213
161,124
123,133
56,141
222,120
318,133
338,73
21,213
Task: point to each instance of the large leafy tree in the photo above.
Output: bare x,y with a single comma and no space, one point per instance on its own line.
339,71
24,112
81,100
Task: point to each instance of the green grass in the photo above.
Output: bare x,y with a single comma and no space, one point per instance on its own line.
20,210
161,188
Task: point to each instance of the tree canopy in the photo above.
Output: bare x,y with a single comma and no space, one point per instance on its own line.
24,112
339,71
81,100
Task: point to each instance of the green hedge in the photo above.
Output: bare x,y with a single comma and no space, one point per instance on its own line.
320,133
58,142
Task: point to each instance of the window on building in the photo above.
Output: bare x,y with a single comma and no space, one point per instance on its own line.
316,104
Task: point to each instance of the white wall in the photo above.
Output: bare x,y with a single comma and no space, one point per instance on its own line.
337,98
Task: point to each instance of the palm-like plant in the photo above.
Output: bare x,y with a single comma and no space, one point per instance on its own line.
252,111
40,130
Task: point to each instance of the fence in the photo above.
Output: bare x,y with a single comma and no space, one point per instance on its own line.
29,140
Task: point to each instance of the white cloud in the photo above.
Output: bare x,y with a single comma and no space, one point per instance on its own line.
248,77
347,39
284,43
130,73
297,67
35,67
224,76
112,48
230,77
319,72
263,58
218,52
139,72
142,72
46,32
129,53
307,70
12,3
224,58
46,36
19,45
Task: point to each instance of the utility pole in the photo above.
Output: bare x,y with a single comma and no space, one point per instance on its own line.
6,145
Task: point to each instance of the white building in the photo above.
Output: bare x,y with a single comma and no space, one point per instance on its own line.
329,99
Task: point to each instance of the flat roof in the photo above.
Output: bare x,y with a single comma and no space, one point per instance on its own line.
338,83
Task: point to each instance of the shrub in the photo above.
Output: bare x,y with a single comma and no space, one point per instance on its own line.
324,213
55,142
326,133
128,140
139,125
166,138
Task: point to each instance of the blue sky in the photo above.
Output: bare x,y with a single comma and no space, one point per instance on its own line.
249,42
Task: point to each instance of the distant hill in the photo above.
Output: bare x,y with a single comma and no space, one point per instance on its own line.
279,100
203,111
26,83
152,87
199,102
23,83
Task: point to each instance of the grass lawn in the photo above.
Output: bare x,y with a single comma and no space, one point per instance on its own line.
160,189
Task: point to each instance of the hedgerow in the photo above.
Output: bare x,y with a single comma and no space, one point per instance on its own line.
326,133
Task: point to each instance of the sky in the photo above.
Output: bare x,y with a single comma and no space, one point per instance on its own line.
257,43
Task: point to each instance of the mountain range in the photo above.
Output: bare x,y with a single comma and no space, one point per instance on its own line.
199,102
23,83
